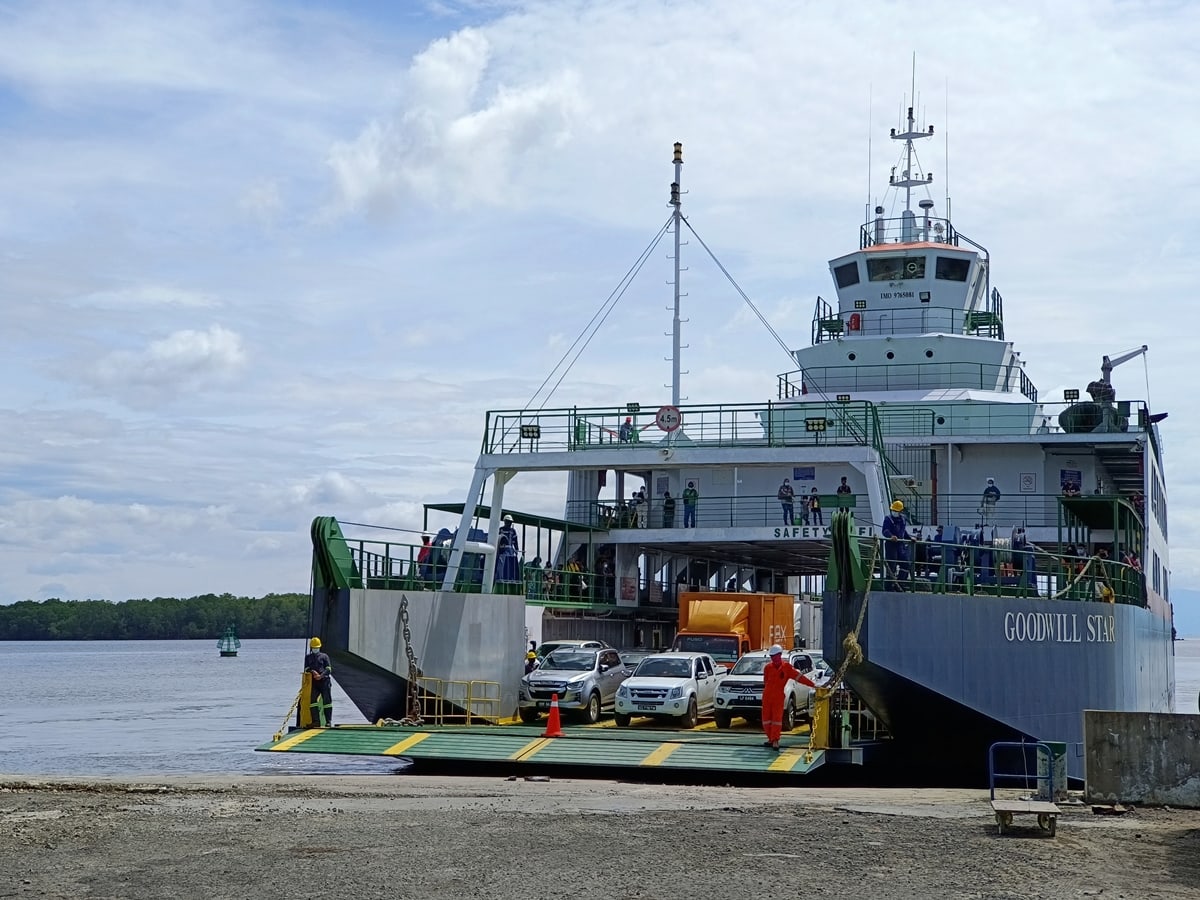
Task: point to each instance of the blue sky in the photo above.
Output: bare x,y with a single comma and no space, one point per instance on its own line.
268,261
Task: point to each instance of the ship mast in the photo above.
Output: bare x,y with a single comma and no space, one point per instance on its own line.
677,215
909,177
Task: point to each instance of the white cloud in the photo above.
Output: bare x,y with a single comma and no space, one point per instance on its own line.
181,360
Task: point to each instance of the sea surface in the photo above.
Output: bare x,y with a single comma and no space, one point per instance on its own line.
157,707
175,707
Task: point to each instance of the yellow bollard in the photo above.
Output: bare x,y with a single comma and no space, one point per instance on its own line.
305,709
818,738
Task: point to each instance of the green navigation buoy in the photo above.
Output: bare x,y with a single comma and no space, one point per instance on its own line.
228,643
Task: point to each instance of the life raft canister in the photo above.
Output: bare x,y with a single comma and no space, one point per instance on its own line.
855,321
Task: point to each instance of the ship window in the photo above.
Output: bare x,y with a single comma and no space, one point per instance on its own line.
852,357
896,268
929,354
847,275
891,355
950,268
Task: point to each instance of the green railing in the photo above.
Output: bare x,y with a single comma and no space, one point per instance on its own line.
725,425
744,511
998,570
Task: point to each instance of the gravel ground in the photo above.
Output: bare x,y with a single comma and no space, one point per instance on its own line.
418,837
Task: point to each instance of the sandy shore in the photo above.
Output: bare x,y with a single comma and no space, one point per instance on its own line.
418,837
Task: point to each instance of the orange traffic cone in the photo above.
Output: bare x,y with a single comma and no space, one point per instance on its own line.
553,725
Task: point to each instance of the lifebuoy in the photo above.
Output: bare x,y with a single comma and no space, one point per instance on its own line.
855,321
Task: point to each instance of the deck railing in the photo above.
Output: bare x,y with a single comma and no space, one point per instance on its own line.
724,425
995,569
835,380
961,567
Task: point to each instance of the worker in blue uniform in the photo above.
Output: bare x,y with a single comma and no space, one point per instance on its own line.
320,695
895,546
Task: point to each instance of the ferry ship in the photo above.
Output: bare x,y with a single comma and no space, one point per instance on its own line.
1025,580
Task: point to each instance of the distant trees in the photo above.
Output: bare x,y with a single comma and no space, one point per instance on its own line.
163,618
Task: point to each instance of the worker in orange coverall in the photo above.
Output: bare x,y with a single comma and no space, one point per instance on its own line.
775,677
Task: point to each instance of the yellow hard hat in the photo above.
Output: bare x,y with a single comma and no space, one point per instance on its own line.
531,655
315,643
897,506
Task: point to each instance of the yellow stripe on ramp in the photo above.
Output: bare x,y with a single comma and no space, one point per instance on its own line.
411,741
531,748
298,738
786,760
658,755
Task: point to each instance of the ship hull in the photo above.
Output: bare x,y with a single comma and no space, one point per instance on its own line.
949,674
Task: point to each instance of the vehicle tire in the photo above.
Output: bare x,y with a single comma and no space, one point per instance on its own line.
789,715
591,713
691,717
529,716
622,719
723,720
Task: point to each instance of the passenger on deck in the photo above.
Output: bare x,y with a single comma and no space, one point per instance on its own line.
668,510
508,567
895,546
786,499
814,508
987,506
691,497
625,432
424,568
844,488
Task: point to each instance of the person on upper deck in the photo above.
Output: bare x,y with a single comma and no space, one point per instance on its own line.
895,545
625,432
987,506
844,488
787,497
690,497
814,508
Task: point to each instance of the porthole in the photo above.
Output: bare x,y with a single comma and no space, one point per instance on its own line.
929,354
852,357
941,420
891,355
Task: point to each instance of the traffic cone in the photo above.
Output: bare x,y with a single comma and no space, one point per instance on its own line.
553,725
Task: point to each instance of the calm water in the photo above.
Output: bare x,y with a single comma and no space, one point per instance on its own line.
175,707
156,707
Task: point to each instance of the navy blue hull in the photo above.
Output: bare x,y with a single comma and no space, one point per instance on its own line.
951,674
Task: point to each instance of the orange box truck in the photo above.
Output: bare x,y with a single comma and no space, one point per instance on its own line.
726,625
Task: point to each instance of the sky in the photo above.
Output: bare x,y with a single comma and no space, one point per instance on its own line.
267,261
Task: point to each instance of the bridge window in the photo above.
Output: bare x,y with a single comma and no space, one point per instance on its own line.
896,268
950,268
847,275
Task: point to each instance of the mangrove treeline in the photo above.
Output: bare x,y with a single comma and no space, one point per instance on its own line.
163,618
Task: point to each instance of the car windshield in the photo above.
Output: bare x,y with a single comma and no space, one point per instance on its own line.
571,660
664,667
719,647
750,665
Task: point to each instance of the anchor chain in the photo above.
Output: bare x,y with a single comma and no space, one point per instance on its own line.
413,713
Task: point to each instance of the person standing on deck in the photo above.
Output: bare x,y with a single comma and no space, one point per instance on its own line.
690,497
776,675
320,695
507,548
987,506
787,497
895,545
668,510
814,508
625,432
424,569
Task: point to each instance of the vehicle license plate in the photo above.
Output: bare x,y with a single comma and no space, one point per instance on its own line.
647,706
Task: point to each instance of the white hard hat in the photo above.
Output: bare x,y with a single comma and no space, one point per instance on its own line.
508,518
776,650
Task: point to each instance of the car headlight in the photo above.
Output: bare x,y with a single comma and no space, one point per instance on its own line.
622,691
576,687
675,693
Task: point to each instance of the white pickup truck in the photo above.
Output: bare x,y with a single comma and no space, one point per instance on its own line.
676,685
741,693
